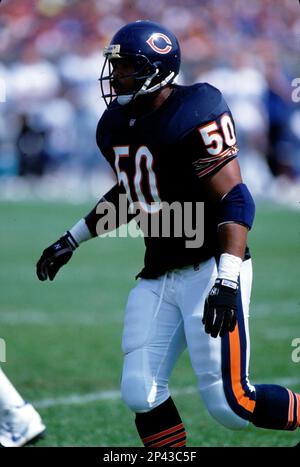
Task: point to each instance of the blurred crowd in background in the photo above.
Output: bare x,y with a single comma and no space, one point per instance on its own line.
51,59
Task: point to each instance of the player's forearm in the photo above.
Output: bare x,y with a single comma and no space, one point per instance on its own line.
233,239
108,214
236,211
94,216
89,226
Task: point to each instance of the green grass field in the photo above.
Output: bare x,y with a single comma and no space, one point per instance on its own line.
64,338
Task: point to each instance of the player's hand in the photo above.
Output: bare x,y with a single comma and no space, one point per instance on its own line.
55,256
220,308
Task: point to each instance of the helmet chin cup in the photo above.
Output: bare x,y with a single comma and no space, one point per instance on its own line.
125,99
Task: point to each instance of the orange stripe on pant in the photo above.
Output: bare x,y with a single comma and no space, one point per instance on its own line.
290,411
298,411
235,371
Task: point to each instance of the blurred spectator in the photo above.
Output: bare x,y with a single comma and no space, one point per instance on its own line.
283,146
32,157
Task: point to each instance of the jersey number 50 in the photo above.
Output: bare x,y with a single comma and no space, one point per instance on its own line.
214,136
150,201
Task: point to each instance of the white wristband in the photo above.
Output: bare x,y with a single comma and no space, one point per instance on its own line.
229,267
80,232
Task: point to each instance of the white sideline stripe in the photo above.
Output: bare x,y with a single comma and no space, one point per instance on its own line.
114,395
111,395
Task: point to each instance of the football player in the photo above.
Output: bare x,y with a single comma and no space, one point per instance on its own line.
20,423
169,143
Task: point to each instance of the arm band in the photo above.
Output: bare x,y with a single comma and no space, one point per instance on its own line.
237,206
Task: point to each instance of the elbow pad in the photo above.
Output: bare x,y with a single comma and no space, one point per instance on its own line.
237,206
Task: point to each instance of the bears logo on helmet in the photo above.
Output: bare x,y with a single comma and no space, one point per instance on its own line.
154,38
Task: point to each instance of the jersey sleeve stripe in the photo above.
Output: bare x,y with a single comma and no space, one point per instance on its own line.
205,166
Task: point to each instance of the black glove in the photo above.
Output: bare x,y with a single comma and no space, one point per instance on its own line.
55,256
220,308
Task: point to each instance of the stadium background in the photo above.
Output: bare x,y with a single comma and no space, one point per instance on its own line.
63,339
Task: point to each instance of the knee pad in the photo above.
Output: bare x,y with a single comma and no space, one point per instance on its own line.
218,407
140,391
134,393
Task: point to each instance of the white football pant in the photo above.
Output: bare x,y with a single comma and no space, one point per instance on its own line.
164,316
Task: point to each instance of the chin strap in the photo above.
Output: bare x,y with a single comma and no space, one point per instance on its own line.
126,98
169,78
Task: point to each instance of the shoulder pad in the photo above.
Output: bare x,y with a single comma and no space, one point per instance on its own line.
199,104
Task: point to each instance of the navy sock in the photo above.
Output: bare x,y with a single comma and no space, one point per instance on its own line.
161,427
276,408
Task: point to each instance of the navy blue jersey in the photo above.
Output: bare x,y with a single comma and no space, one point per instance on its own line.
164,156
